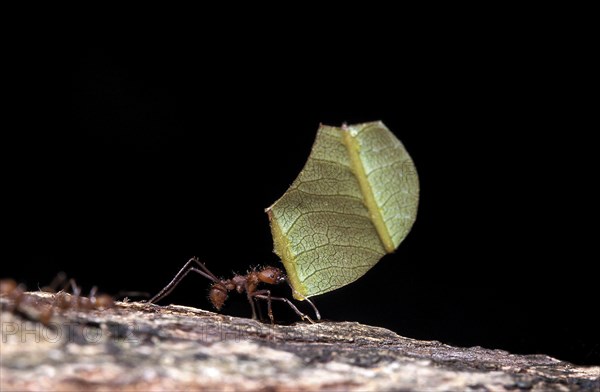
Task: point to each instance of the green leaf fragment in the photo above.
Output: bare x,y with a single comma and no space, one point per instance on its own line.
354,201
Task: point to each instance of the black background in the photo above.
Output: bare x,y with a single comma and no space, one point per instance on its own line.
130,155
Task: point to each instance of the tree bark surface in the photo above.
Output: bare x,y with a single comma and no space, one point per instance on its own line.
137,346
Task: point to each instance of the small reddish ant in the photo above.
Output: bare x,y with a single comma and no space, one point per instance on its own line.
62,300
220,288
78,302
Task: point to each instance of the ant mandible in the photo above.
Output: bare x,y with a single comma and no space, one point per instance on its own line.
220,288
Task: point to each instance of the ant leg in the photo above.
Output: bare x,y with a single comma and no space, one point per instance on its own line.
189,266
261,294
258,310
314,308
76,293
58,280
93,292
206,271
295,292
92,296
252,305
269,306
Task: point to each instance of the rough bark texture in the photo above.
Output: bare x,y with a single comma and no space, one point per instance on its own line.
136,346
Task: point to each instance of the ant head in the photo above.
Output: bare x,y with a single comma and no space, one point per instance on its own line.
271,275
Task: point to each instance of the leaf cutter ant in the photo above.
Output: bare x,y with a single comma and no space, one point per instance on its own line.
220,288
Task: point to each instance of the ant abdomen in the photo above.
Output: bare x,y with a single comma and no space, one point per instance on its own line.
217,295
